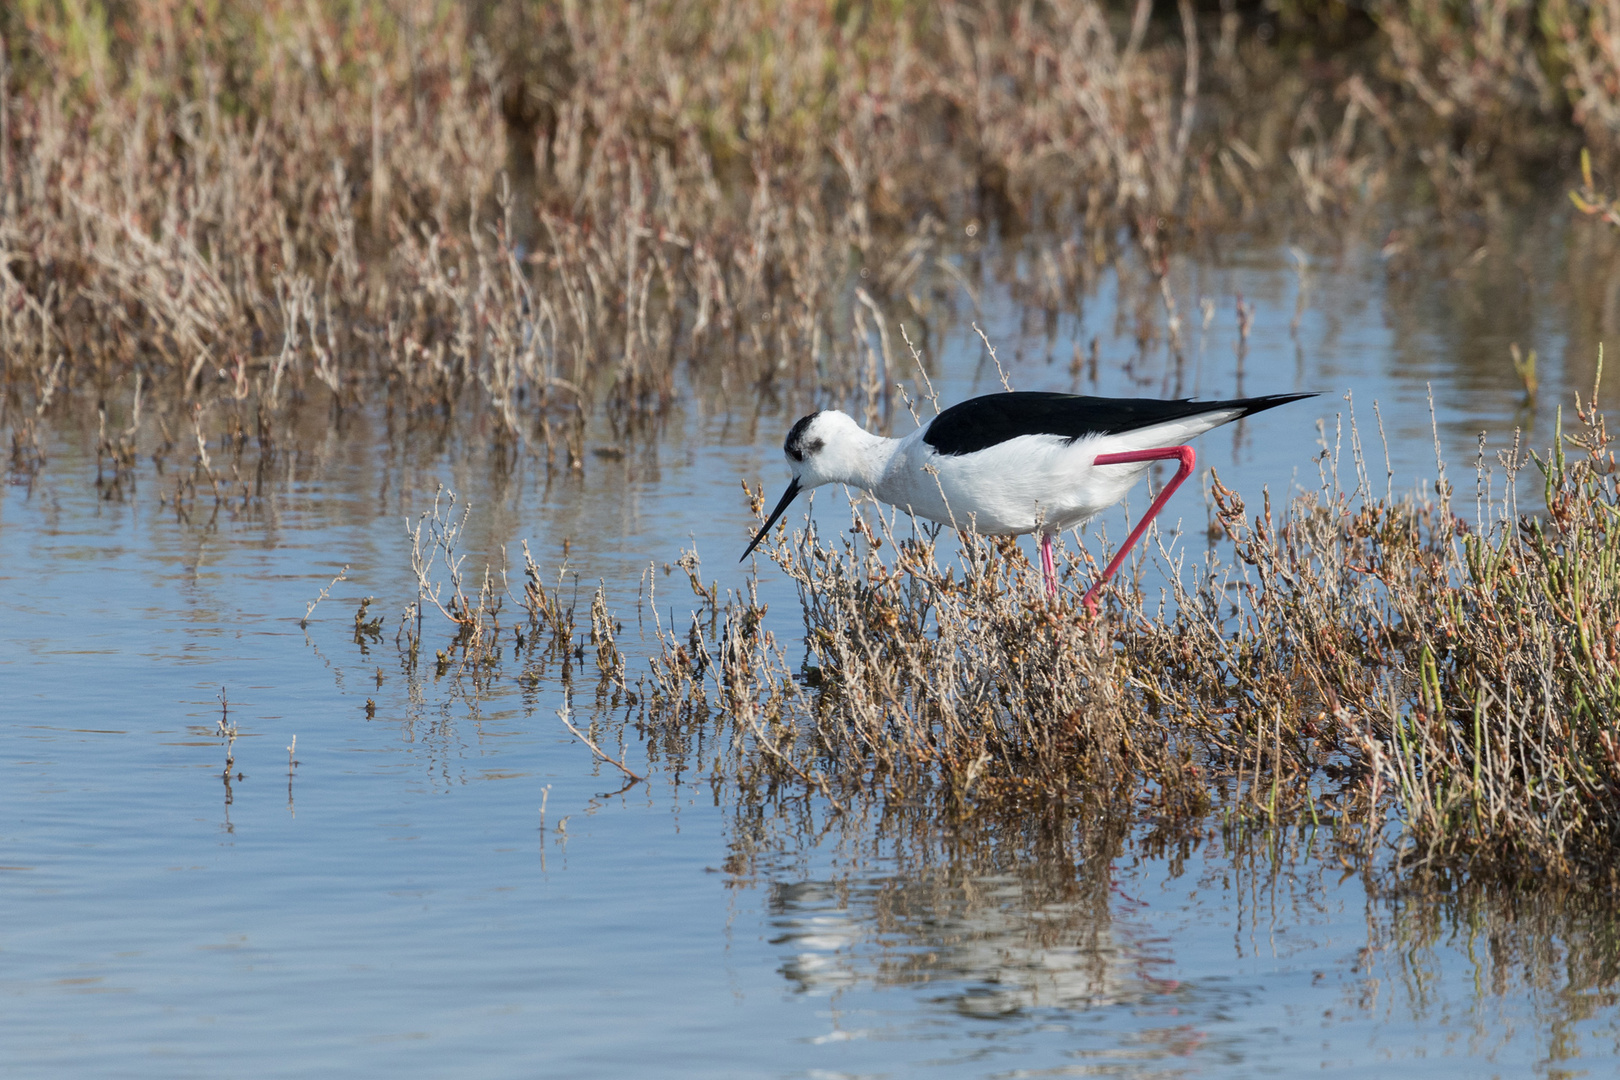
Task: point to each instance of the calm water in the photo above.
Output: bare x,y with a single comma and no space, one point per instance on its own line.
397,905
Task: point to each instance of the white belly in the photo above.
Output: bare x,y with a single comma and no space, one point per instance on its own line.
1028,484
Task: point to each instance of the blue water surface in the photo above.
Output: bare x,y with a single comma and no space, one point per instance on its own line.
397,904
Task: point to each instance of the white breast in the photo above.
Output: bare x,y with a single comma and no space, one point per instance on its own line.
1031,482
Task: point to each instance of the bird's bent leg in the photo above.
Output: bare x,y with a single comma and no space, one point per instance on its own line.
1047,565
1185,455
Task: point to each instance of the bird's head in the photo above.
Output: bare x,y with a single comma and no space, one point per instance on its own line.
822,448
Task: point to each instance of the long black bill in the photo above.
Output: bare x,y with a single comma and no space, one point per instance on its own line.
787,497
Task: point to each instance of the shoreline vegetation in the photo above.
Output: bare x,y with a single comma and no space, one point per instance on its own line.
223,224
1433,691
520,213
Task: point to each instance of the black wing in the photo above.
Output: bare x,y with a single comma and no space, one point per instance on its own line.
982,422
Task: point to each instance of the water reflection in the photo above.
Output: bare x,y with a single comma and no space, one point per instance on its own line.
1499,968
992,917
984,946
1244,951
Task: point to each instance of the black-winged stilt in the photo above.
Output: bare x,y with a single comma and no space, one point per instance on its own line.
1013,463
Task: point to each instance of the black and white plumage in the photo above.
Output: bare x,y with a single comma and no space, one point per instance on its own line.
1010,463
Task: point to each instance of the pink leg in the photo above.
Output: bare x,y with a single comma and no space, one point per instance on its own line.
1048,567
1182,453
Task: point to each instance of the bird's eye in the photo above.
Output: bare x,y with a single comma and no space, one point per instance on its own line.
799,449
797,445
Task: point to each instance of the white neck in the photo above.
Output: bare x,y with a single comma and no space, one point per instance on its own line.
877,455
857,458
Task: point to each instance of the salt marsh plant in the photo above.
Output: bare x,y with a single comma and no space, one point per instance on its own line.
1385,667
541,631
513,213
1359,658
224,224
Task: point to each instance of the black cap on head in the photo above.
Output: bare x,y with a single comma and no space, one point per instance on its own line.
799,444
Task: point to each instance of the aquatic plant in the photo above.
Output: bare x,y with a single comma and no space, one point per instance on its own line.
1379,665
230,226
513,213
1363,658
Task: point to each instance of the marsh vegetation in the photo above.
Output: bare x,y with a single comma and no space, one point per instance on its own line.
516,214
1425,683
228,229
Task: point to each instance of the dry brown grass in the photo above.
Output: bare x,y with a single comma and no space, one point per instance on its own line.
1364,656
511,213
262,205
1384,667
216,219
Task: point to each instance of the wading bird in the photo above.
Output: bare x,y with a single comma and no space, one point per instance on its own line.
1012,463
